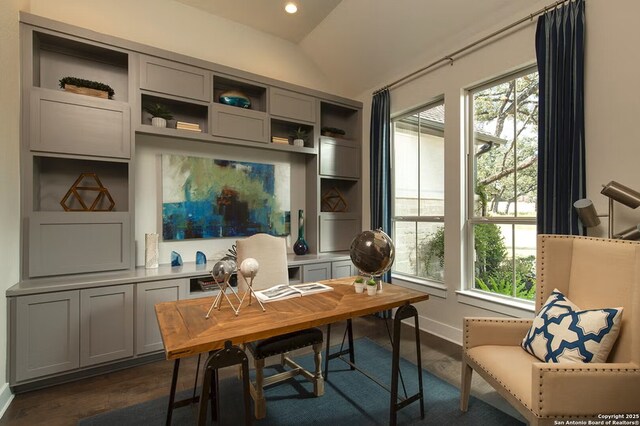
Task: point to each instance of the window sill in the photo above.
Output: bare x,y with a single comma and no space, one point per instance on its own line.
509,307
431,287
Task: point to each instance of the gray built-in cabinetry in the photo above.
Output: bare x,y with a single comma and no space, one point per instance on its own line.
82,303
65,134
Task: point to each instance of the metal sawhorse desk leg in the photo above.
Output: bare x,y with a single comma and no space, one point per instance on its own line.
403,312
172,393
228,356
350,351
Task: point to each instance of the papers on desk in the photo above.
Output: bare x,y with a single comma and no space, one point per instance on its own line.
284,291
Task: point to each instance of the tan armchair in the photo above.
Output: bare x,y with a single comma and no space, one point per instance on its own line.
592,273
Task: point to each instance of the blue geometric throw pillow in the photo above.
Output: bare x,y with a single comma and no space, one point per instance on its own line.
561,332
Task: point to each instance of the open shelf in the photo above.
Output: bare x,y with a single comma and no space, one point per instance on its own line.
340,117
348,190
257,94
295,274
57,57
196,290
287,129
53,176
181,111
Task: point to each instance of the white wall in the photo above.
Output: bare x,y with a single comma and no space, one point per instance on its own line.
611,106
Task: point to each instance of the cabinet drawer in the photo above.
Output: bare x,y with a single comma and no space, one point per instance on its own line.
316,272
173,78
239,123
337,230
342,268
69,243
77,124
106,327
339,158
293,105
47,334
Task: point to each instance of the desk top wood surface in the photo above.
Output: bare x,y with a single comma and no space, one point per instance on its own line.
185,330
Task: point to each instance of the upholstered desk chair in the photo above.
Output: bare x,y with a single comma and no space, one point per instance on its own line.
271,254
592,273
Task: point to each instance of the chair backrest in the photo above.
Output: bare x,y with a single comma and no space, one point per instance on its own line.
271,254
595,273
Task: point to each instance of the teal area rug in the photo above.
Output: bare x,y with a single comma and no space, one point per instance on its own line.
350,399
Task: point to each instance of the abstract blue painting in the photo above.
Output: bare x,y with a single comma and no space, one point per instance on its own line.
211,198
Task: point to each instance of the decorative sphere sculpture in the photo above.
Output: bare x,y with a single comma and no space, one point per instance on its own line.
221,270
249,267
372,252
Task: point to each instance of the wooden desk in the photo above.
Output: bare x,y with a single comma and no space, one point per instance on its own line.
185,330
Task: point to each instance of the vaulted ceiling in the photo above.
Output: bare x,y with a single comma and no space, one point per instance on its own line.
359,44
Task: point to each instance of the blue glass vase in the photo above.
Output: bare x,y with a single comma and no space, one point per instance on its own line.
300,247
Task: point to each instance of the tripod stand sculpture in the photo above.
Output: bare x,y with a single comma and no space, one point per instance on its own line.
221,273
249,268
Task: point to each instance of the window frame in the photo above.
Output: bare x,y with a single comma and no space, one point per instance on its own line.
438,219
468,286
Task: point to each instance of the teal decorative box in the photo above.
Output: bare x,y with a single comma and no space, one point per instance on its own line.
235,98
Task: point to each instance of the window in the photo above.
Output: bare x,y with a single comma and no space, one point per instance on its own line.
503,185
418,192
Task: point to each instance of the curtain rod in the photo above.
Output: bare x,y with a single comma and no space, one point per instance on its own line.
450,57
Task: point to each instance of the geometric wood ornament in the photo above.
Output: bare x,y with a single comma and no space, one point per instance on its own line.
333,201
100,194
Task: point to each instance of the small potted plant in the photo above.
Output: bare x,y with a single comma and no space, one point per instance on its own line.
300,137
372,286
359,285
159,114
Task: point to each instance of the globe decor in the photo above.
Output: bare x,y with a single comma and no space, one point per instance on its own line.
373,253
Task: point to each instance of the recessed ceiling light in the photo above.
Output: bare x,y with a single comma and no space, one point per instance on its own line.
291,7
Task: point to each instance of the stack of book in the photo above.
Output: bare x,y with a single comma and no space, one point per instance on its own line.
183,125
277,139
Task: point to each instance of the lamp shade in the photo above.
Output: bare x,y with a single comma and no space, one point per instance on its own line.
622,194
587,212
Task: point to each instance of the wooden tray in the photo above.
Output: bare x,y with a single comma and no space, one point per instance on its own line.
86,91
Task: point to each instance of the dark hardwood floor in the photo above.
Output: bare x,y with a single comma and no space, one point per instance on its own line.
67,403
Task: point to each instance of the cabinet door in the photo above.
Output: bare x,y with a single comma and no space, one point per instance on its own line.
239,123
106,331
148,294
339,158
75,242
316,272
293,105
175,78
77,124
337,230
46,334
341,269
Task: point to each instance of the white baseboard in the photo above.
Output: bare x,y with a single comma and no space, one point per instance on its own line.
5,398
442,330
